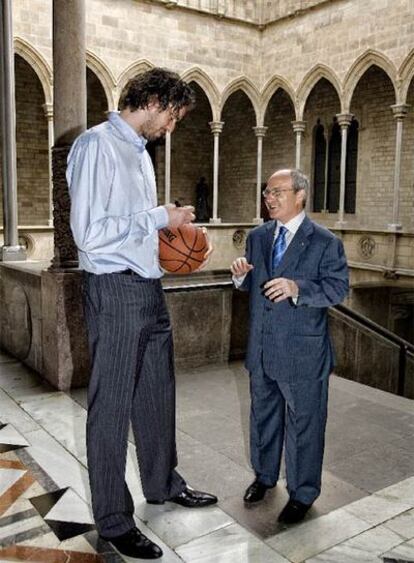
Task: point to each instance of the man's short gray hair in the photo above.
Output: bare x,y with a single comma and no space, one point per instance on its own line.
300,182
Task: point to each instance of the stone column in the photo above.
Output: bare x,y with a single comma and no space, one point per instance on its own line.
69,109
48,109
399,111
344,120
216,129
11,249
64,344
167,167
298,128
260,132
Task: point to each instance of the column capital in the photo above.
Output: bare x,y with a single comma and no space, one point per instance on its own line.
299,126
344,119
48,111
216,127
260,131
400,110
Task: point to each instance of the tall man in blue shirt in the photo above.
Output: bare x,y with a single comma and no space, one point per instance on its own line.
294,270
115,221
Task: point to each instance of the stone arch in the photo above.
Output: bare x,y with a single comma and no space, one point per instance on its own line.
196,74
104,75
309,82
274,84
137,67
359,68
39,65
245,85
406,75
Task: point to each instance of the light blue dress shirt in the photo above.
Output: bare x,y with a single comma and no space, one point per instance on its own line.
114,214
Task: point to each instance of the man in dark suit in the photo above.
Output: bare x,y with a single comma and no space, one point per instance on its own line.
294,270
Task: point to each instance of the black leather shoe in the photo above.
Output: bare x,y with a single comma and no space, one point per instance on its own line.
255,492
294,512
190,499
135,544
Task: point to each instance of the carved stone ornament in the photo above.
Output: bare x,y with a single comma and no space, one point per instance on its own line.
28,242
366,247
239,238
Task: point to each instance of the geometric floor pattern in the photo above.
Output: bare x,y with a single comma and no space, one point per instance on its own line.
365,512
28,518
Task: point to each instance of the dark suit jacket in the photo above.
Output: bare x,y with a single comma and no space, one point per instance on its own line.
292,340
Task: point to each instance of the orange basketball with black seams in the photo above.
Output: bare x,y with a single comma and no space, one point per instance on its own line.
182,250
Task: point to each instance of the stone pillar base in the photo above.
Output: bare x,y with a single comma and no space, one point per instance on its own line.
394,227
215,220
340,224
64,341
13,253
258,220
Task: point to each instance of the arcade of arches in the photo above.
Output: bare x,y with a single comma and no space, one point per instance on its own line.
342,120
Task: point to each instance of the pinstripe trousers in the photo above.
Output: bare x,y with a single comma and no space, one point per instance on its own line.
132,380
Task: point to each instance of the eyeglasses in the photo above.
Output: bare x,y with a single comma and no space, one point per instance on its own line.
276,192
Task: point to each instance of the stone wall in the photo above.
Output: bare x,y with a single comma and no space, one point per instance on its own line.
279,142
32,148
322,105
371,106
97,104
336,41
407,166
238,150
192,151
335,35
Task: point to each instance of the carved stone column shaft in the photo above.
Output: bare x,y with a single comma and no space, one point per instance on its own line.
399,112
344,120
216,129
48,109
298,128
260,133
11,249
168,167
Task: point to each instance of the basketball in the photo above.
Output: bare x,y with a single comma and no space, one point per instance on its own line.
182,250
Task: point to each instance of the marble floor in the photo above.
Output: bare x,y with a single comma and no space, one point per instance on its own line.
365,512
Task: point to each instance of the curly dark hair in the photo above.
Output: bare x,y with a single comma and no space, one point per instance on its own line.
157,84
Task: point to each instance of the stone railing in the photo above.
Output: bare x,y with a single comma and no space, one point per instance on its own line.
373,256
37,240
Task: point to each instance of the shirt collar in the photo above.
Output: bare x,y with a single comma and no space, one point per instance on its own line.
293,225
126,131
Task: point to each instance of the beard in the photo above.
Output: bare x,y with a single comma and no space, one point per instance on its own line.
152,130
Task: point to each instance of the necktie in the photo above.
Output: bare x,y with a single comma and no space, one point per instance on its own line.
279,247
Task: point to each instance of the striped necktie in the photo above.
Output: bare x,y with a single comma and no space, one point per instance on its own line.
279,247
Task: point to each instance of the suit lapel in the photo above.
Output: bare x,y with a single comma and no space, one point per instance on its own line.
300,242
267,243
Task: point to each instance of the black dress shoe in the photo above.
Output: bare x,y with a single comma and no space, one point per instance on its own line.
135,544
255,492
190,499
295,511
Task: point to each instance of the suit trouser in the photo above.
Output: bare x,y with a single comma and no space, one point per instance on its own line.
132,379
293,413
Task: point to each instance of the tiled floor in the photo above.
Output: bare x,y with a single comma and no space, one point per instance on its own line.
365,512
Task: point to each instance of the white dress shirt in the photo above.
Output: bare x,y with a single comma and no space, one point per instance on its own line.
114,214
292,226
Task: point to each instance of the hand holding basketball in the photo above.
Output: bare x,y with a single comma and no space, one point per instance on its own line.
178,216
183,250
